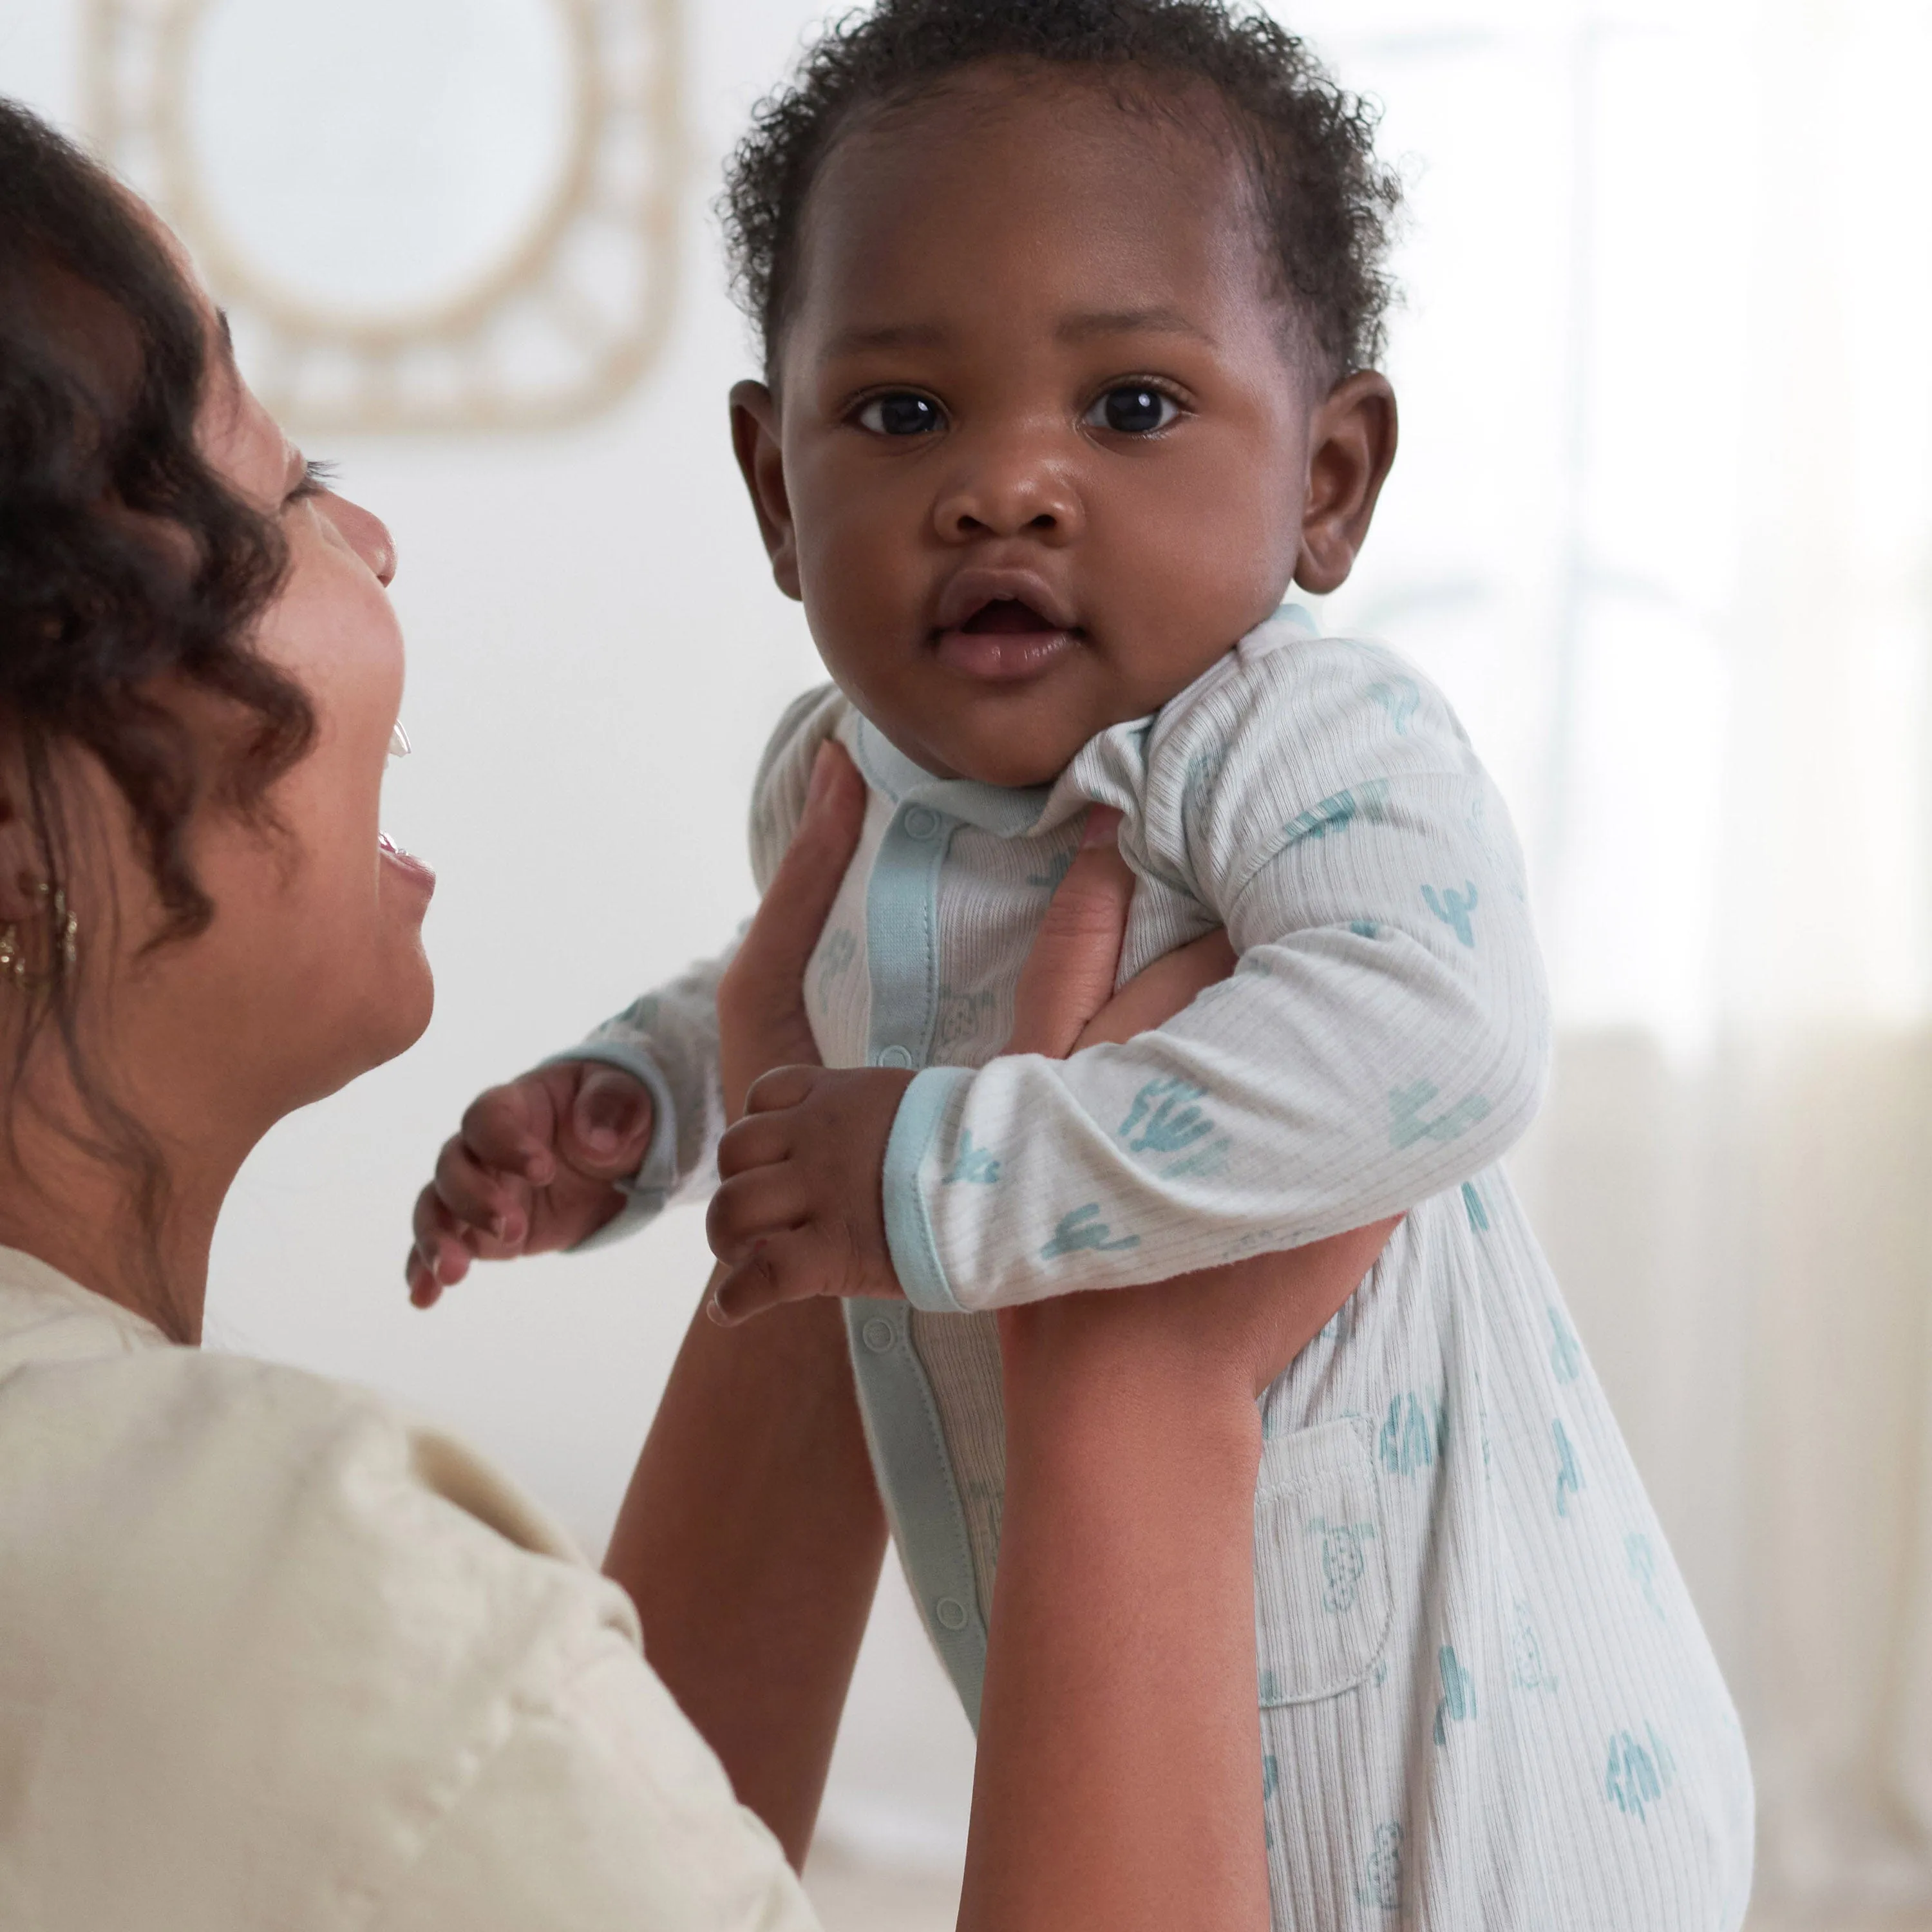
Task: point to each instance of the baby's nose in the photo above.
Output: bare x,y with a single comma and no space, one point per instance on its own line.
1005,497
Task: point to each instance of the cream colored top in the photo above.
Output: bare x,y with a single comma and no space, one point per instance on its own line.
274,1655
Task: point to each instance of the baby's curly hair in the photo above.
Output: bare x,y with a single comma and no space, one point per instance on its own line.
1328,203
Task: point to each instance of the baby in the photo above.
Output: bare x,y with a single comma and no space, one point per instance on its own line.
1070,310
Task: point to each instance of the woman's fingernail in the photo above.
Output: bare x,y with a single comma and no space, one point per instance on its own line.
1103,827
821,774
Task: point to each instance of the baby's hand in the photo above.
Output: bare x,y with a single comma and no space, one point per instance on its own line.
530,1170
801,1211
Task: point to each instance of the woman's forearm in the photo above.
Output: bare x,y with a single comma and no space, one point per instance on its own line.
751,1540
1119,1779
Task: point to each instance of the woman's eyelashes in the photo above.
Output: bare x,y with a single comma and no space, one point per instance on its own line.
1133,408
318,478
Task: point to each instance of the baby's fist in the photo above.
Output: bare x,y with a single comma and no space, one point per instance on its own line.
800,1211
532,1168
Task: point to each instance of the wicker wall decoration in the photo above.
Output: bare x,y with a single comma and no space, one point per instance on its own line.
551,325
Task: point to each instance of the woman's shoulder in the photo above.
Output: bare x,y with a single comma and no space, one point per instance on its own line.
245,1603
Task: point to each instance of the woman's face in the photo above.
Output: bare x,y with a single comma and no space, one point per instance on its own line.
312,970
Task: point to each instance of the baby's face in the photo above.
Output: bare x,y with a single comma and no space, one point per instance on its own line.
1041,450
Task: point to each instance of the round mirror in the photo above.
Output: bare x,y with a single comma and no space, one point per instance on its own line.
377,161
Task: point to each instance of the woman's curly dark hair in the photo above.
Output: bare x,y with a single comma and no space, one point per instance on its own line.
1328,203
126,565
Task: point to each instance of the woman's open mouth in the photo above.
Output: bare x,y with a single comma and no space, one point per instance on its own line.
407,863
1005,641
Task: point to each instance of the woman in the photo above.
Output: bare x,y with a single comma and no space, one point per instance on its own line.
271,1653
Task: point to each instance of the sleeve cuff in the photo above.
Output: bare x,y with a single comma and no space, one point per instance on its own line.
645,1192
908,1224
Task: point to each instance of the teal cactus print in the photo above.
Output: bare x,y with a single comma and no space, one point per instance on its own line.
1400,697
838,953
1414,1433
1165,1117
1341,1325
1479,1215
641,1014
972,1163
1457,1704
1270,1784
1057,867
1083,1230
1642,1561
962,1017
1365,928
1381,1890
1204,773
1569,1478
1343,1565
1566,1352
1407,1125
1453,908
1638,1774
1528,1671
1368,802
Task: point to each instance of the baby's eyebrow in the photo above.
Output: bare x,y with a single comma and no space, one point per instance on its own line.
885,335
1087,323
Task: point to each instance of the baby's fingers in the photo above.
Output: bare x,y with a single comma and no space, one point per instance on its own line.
489,1207
440,1256
793,1266
513,1129
606,1131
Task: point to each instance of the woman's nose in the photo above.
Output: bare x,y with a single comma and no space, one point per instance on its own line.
368,535
1004,493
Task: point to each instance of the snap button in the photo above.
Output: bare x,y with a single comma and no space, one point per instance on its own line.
892,1056
919,822
951,1612
877,1335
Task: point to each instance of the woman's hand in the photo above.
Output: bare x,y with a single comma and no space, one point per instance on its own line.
1119,1781
761,1018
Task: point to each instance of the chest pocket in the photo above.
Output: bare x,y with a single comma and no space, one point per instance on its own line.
1321,1584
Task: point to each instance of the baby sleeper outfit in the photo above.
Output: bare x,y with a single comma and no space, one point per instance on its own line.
1486,1701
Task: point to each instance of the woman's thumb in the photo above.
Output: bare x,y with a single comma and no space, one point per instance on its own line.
609,1123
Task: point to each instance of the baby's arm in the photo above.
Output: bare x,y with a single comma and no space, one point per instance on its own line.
1384,1038
588,1146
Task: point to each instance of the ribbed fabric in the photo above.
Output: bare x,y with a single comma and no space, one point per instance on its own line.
1487,1701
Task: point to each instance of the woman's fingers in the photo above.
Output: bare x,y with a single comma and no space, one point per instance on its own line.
1070,972
761,997
1157,992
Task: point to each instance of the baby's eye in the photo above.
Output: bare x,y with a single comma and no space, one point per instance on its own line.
1132,409
901,413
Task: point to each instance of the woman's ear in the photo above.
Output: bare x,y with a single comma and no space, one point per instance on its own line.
1351,445
754,437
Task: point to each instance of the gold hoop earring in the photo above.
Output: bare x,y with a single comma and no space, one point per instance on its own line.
63,943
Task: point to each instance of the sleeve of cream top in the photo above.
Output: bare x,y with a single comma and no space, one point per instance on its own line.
1384,1037
668,1037
296,1660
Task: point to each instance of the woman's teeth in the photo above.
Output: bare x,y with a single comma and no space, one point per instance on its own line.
399,740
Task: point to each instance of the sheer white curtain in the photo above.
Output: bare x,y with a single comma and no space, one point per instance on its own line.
1663,526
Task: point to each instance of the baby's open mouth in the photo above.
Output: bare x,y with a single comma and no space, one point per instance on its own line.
1005,641
1006,617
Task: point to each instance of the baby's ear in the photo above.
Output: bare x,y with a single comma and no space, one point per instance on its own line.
755,436
1351,445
